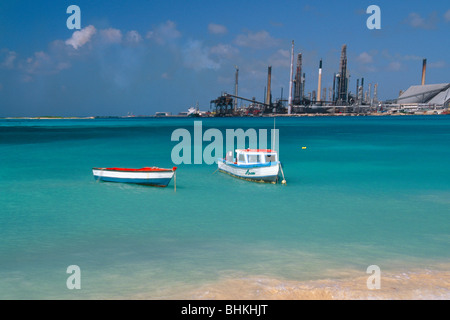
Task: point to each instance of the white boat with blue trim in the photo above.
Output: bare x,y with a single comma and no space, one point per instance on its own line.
259,165
152,176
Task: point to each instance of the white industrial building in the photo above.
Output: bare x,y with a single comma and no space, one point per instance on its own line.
431,95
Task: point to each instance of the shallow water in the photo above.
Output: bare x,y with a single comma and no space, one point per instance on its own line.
366,191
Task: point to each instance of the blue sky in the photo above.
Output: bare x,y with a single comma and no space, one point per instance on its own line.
148,56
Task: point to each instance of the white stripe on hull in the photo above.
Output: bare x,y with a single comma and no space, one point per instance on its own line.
264,174
134,174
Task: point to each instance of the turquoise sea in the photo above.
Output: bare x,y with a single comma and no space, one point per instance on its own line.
365,191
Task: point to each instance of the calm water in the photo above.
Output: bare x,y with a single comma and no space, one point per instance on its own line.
365,191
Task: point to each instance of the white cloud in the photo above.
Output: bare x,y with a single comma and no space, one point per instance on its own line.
394,66
196,57
164,33
415,20
281,58
447,16
37,62
412,57
256,40
133,37
437,64
364,58
217,28
81,37
42,63
62,65
365,61
224,50
111,35
8,58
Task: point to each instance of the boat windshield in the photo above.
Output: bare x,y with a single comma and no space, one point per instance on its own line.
256,157
270,157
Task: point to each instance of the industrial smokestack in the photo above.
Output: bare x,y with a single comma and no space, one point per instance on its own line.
290,79
375,92
334,88
424,69
357,91
298,94
341,96
269,80
303,86
319,86
362,91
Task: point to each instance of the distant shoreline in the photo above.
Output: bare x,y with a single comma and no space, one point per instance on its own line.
228,116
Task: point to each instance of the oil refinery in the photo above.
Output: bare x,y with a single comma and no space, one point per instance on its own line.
336,100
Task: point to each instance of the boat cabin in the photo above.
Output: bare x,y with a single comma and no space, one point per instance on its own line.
253,156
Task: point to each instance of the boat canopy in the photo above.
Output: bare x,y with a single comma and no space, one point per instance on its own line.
255,156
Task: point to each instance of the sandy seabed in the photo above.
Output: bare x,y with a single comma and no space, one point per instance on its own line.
412,285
